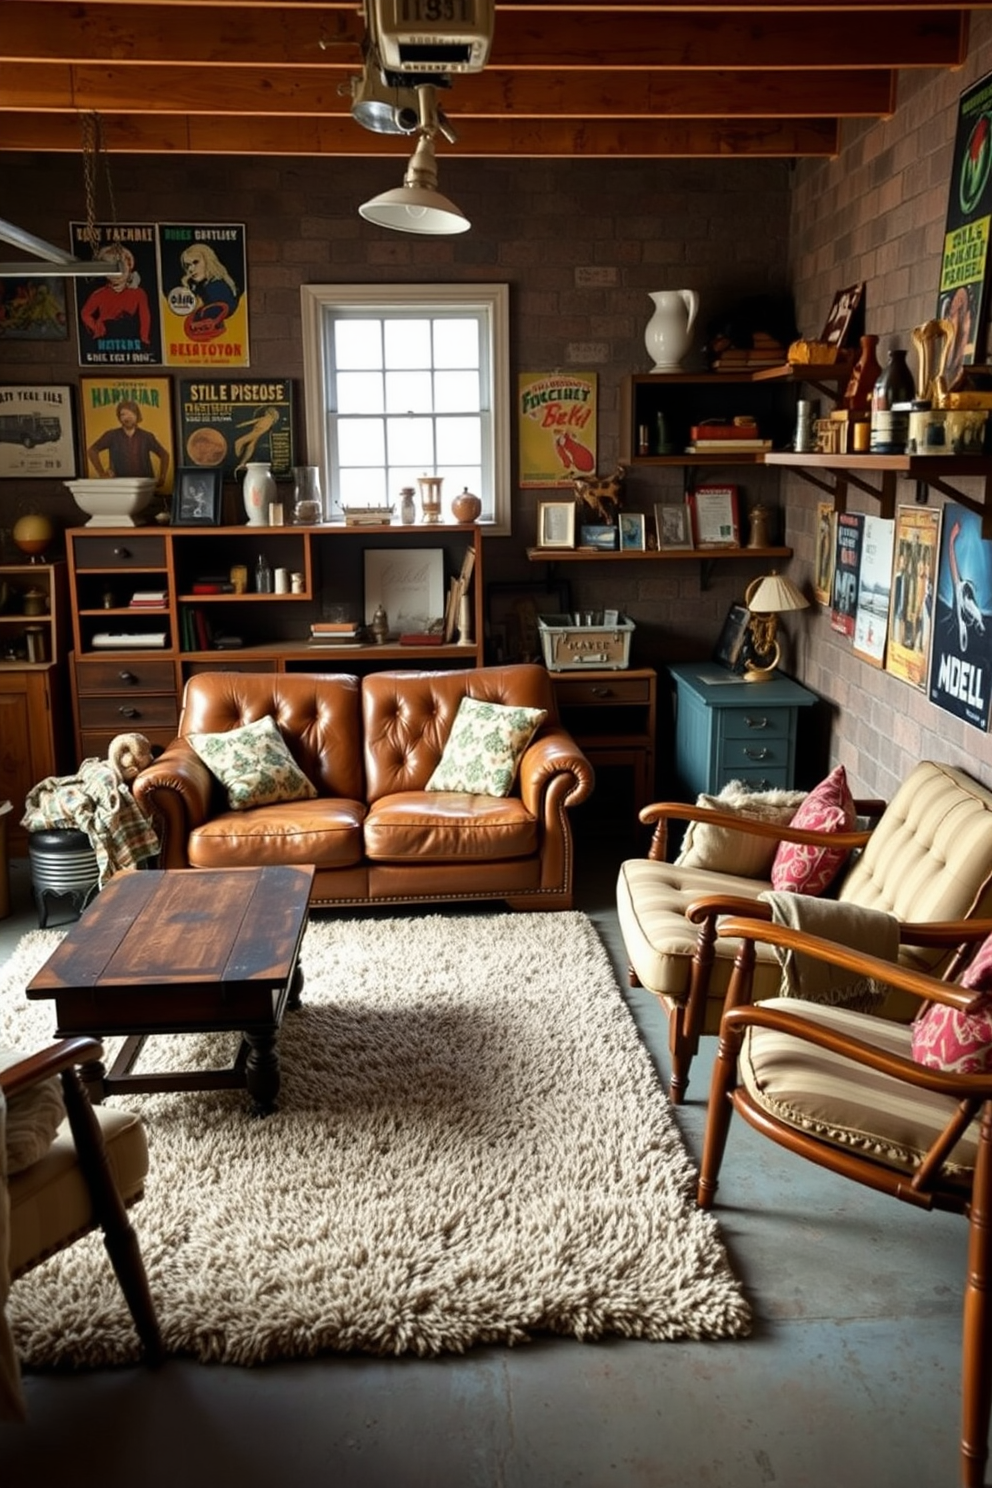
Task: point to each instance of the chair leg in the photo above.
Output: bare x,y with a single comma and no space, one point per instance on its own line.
718,1114
681,1048
118,1235
976,1368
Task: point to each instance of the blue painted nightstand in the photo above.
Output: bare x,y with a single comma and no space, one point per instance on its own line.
726,729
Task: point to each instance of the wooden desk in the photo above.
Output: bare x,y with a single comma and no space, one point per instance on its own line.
612,717
184,951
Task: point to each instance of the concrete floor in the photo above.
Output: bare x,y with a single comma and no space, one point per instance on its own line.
851,1376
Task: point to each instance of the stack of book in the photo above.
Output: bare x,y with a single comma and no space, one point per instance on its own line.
716,438
764,351
148,599
335,633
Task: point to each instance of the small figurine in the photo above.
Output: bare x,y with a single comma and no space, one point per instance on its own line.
380,626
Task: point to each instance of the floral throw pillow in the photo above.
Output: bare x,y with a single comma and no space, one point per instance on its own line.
484,748
803,867
253,764
944,1038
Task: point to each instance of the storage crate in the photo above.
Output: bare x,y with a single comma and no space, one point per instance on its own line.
570,646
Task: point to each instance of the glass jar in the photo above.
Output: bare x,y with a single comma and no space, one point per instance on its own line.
308,504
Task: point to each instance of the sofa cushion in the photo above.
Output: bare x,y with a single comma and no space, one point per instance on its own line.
33,1117
484,748
445,826
722,850
327,833
802,867
254,765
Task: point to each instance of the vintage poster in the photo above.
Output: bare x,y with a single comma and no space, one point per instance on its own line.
203,295
915,554
117,315
556,418
826,543
127,427
228,421
33,310
963,294
871,619
36,436
961,656
847,562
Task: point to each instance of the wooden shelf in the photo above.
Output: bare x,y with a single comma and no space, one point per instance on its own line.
656,555
835,473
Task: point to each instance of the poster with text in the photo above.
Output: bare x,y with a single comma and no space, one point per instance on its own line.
228,421
963,293
203,295
36,436
961,654
556,421
871,620
915,555
127,428
847,561
117,315
826,547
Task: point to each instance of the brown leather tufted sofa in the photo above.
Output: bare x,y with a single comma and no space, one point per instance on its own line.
369,745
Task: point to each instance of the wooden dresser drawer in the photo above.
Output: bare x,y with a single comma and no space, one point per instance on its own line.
122,551
584,692
755,723
133,675
141,711
765,754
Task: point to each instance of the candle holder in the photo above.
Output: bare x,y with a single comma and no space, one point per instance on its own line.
430,496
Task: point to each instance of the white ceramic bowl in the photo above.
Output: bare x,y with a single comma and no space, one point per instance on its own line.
113,502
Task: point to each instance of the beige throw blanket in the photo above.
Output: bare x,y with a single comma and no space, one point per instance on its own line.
871,930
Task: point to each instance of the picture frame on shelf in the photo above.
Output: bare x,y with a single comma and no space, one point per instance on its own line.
672,526
715,511
196,496
408,583
633,535
556,524
845,322
729,650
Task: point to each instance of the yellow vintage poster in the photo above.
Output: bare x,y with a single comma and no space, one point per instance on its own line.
127,427
556,419
203,297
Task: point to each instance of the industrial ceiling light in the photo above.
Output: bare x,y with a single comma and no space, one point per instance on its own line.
381,107
418,206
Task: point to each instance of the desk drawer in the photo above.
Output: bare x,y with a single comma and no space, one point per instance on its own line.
586,693
134,711
123,551
763,754
133,675
757,722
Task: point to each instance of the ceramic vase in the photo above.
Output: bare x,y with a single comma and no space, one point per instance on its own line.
258,488
668,334
864,374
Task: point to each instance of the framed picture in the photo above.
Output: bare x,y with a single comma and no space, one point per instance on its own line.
826,544
408,583
962,293
847,314
511,617
672,526
36,437
232,420
730,646
33,310
556,524
633,536
715,517
196,496
127,427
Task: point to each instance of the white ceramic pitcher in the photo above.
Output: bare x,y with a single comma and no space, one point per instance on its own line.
668,334
258,488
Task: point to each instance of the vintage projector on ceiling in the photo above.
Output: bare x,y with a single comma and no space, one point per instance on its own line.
418,37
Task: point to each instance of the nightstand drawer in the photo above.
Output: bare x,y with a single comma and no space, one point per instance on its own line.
586,693
136,711
757,722
124,551
765,753
125,676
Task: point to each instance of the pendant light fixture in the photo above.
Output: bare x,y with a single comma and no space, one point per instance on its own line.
418,206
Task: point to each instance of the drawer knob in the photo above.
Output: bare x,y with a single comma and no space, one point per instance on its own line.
128,712
122,552
755,722
128,678
603,692
756,754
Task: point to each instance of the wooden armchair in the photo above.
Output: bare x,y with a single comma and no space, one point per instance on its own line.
81,1177
927,858
842,1089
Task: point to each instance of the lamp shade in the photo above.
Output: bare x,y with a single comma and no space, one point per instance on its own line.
774,595
417,206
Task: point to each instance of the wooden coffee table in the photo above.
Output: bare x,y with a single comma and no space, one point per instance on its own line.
184,951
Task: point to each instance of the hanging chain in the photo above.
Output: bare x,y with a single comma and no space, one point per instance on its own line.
93,149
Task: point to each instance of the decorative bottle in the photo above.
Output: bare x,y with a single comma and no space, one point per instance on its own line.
864,375
263,575
408,506
893,392
258,489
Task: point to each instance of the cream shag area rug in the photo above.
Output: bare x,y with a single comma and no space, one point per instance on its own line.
472,1146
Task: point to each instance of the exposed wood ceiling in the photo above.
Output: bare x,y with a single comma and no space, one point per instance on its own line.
566,78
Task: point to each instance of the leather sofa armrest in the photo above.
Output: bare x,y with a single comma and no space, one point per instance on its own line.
551,754
176,791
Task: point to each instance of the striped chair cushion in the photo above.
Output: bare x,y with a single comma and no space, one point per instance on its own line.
843,1102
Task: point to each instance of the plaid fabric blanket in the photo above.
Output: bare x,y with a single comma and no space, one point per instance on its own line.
94,801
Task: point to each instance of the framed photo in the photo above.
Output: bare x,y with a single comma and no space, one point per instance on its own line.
633,536
408,583
672,526
127,427
730,646
715,517
196,496
36,436
556,524
847,314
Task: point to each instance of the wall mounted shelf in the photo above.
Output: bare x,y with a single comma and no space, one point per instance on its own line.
835,473
705,556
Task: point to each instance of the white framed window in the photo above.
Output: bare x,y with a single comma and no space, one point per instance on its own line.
408,380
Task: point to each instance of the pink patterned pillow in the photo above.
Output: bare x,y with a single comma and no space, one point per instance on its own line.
801,867
945,1039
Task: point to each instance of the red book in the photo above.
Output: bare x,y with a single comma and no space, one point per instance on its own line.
422,638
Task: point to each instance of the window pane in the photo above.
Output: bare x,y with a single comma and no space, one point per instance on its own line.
459,440
454,391
411,442
357,343
408,343
360,392
409,392
362,487
361,442
456,343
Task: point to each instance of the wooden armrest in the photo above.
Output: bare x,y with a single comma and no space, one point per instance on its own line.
34,1068
710,905
661,812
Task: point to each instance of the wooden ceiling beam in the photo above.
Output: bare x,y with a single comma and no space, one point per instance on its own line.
224,37
489,94
560,138
664,7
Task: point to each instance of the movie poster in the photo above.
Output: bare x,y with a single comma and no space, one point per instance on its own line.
203,295
127,428
847,561
36,434
826,547
229,421
916,551
871,620
961,658
963,295
117,315
556,419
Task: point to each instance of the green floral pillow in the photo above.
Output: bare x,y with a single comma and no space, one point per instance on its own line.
253,764
484,748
